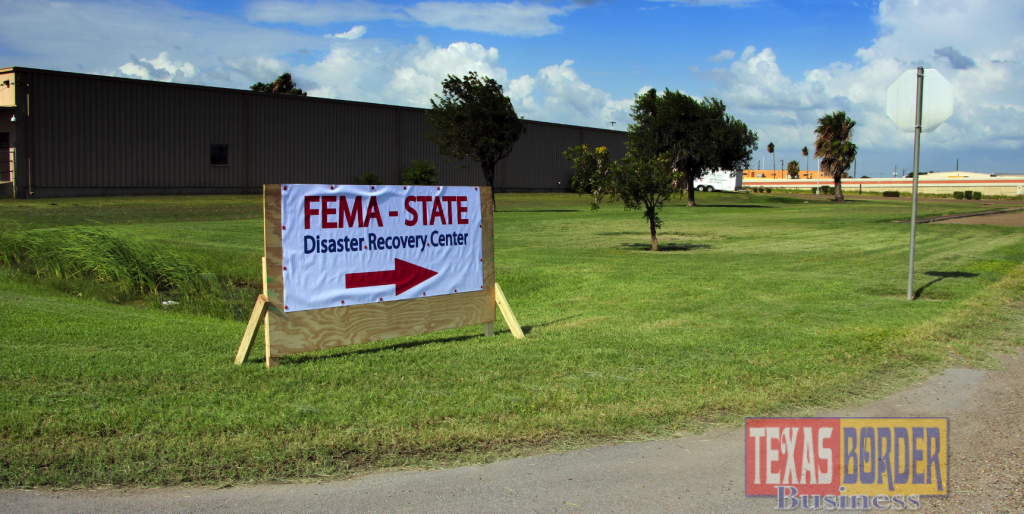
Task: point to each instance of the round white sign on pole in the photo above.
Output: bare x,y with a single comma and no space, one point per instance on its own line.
901,104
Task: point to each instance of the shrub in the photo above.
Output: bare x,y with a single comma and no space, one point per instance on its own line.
760,189
420,173
891,194
977,195
814,190
369,179
767,190
968,195
959,195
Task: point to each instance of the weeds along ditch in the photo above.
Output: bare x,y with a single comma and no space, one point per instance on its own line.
121,268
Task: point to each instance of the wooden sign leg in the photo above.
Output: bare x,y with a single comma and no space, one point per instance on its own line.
255,320
489,329
506,312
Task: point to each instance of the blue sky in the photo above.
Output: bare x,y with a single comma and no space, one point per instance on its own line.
777,65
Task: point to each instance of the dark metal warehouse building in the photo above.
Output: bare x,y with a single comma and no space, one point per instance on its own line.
72,134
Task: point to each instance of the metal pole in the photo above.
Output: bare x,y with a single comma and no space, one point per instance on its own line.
917,159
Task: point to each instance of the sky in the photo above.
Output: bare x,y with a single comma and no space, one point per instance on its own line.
777,65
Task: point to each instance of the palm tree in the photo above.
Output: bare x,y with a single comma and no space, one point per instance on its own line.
835,148
793,169
804,152
771,150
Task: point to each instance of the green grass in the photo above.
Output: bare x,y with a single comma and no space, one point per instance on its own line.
762,305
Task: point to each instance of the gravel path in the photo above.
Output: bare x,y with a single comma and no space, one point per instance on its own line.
987,447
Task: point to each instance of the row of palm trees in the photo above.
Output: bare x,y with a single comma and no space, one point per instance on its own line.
833,145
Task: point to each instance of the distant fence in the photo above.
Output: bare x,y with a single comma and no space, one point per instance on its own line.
1000,185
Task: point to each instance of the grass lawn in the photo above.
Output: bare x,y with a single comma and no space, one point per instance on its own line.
759,305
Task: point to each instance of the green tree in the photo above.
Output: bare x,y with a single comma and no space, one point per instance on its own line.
283,85
693,137
589,168
771,150
793,169
473,118
419,173
834,146
642,185
369,179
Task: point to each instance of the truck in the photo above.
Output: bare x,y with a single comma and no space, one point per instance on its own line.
721,180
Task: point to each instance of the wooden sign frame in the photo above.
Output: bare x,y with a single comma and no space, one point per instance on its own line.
318,329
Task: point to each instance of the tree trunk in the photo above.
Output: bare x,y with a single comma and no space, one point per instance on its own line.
838,180
690,200
654,232
488,169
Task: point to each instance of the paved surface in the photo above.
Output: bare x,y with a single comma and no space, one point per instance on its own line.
691,474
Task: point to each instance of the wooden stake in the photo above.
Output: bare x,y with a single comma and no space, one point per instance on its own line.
255,320
489,329
506,312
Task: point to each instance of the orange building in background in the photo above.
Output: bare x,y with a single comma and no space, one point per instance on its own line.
781,174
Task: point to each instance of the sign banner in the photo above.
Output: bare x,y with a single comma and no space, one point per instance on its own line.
347,245
856,463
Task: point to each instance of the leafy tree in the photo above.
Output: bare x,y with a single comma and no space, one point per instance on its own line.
473,118
693,137
642,184
419,173
834,146
771,150
590,167
793,169
369,179
283,85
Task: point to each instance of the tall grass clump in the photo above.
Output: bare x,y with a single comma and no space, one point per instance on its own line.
127,263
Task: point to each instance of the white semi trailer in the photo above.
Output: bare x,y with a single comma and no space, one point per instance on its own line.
721,180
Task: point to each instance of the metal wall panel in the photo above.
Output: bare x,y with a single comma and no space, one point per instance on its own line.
105,134
91,133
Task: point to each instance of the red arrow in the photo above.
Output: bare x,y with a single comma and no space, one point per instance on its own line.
405,276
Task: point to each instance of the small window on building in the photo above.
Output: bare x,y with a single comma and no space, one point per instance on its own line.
218,155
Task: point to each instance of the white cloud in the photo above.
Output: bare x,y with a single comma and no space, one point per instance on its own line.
724,55
161,68
258,68
418,82
321,12
354,33
976,41
509,19
185,45
413,75
93,37
567,99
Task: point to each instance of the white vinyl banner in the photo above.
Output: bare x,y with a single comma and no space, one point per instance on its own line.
350,245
